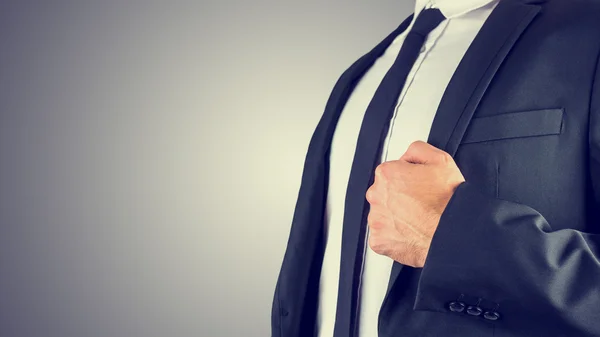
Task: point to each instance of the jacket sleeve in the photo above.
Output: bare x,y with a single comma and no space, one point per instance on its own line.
506,256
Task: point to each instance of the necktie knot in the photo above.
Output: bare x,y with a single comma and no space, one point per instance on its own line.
427,21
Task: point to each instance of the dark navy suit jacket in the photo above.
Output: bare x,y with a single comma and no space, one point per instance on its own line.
521,117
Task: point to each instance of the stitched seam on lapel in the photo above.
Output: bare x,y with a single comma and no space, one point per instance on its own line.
279,315
593,153
497,178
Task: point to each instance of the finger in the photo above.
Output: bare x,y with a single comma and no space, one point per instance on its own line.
378,217
420,152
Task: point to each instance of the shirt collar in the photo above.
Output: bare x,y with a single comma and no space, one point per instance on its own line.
451,8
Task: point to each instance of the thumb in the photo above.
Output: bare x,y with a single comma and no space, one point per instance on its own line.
420,152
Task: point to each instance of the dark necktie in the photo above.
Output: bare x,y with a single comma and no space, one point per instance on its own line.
370,140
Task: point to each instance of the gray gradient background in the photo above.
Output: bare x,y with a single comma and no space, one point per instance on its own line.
151,155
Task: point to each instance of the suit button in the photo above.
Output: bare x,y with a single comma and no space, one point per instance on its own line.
456,306
284,312
474,310
491,315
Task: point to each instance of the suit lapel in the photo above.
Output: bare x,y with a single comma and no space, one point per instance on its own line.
344,87
475,72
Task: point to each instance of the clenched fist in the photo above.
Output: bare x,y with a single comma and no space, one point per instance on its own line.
407,199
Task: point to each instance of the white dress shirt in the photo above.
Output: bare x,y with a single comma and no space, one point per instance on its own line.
411,121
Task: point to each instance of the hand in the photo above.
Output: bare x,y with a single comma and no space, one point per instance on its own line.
407,199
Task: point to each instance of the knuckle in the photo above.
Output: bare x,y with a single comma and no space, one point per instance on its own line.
370,195
418,146
416,143
445,157
381,169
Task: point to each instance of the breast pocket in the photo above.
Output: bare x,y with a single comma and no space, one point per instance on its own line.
530,123
513,155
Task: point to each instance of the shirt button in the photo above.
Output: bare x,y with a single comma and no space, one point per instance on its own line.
423,49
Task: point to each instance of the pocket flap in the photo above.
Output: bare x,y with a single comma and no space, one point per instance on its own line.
514,125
